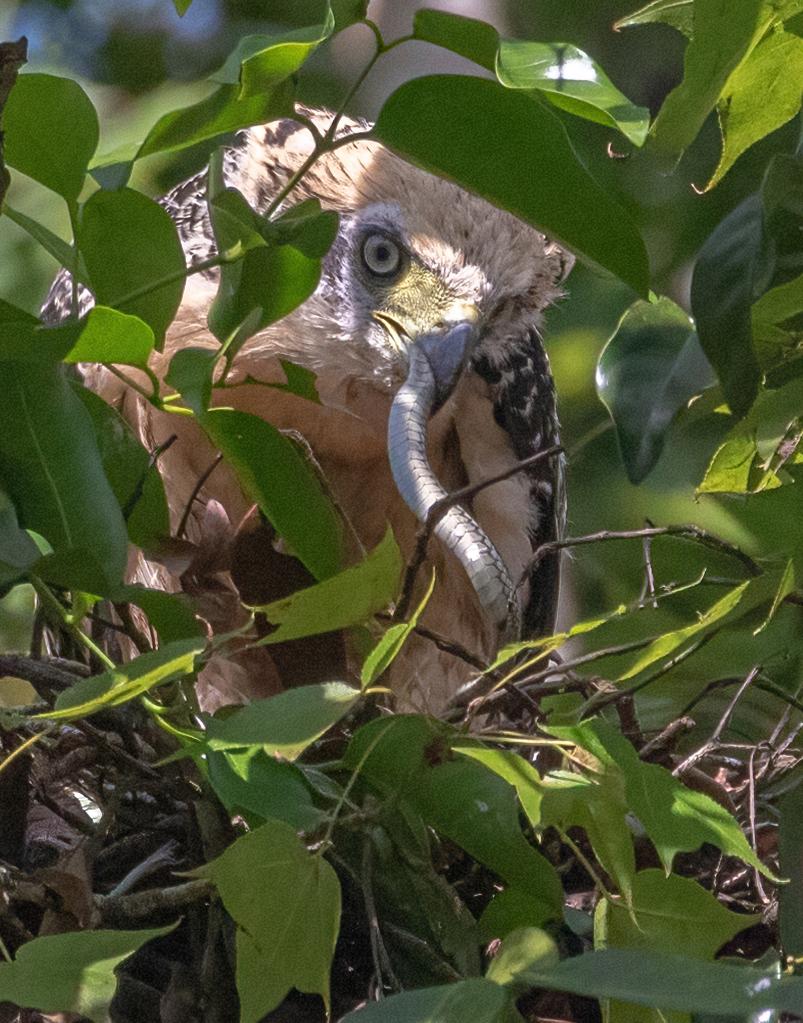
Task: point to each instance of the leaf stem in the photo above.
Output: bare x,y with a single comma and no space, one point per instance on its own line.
51,602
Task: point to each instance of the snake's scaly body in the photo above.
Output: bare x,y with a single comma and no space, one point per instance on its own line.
421,490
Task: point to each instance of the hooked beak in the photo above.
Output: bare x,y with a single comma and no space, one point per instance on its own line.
446,349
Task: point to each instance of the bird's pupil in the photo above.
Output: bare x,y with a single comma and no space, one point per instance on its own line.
382,253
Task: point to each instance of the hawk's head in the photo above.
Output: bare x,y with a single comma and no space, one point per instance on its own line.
414,255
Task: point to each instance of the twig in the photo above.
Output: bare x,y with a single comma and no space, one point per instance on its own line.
439,509
687,532
722,724
136,493
199,484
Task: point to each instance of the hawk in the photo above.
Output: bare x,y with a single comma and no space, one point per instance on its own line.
424,336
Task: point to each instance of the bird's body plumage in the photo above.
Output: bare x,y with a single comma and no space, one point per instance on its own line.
461,254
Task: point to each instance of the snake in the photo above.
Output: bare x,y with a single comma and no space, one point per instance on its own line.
421,491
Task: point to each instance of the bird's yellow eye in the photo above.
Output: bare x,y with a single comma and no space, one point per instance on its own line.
381,255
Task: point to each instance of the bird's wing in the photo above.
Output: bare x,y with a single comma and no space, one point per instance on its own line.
525,408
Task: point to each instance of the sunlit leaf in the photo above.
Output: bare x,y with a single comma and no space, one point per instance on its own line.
107,335
571,80
560,72
260,62
676,818
677,13
284,724
287,916
70,973
525,949
119,685
50,132
723,36
391,643
442,123
651,367
762,94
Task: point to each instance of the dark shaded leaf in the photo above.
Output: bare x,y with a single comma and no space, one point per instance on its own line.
51,467
136,483
18,551
445,123
722,294
275,474
790,848
648,371
51,132
171,614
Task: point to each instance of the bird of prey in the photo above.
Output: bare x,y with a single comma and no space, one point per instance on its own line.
424,336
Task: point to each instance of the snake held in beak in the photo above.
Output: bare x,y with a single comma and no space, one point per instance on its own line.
435,363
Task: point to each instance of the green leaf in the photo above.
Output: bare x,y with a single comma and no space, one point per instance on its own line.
51,468
723,36
171,614
572,81
762,94
285,724
51,132
71,973
118,685
473,39
665,914
677,13
722,294
670,641
478,1000
190,372
564,75
130,246
775,318
510,909
107,335
449,123
287,916
647,372
60,250
260,62
275,474
136,482
523,949
389,646
254,782
751,457
18,551
351,597
599,807
223,111
182,6
409,758
674,982
676,818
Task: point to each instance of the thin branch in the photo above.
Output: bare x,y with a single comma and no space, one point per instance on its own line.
199,485
686,532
